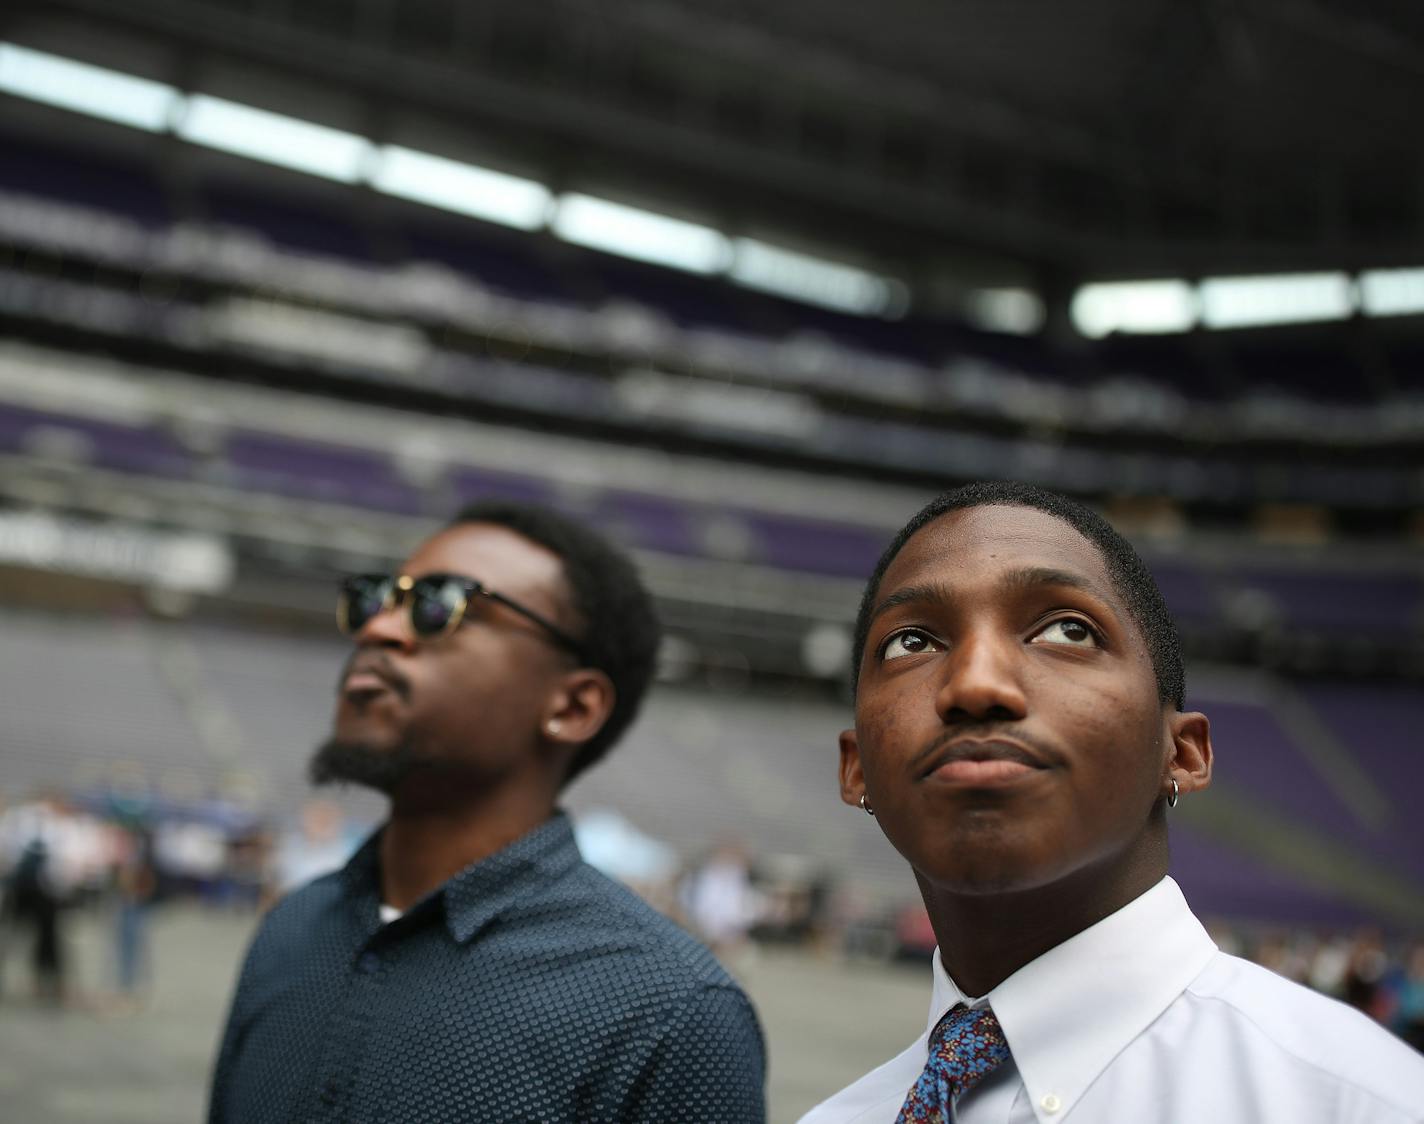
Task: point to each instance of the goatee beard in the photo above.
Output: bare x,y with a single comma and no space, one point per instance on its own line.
383,768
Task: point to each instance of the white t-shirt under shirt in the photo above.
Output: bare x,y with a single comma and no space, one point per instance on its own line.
1141,1019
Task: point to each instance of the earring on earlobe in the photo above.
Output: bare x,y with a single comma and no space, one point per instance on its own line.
554,726
1172,797
864,807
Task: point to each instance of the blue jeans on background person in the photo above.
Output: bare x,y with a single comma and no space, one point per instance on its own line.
132,944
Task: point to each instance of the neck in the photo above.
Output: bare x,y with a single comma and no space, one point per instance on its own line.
428,838
985,938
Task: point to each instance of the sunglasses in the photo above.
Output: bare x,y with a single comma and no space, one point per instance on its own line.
437,603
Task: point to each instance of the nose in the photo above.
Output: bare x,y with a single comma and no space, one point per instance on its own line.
982,680
390,628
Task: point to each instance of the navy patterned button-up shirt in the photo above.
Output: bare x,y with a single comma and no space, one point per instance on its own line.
528,988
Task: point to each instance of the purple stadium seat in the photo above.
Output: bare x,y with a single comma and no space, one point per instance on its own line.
1161,361
297,222
1310,362
334,473
1221,882
1257,758
1383,605
510,263
815,546
1381,724
128,448
1255,755
1188,594
649,522
89,178
472,484
689,301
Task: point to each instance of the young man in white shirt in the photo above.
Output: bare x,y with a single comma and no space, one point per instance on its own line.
1019,737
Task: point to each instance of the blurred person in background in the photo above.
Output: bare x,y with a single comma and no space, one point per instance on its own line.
193,854
1409,1014
1328,968
1020,736
136,889
249,865
1365,972
320,844
466,963
720,900
49,852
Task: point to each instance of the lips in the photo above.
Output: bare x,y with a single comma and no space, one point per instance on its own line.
370,674
364,683
981,762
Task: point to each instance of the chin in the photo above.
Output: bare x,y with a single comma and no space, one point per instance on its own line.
978,881
370,764
983,865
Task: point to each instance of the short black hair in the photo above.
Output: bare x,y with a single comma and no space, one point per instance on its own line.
1128,573
618,625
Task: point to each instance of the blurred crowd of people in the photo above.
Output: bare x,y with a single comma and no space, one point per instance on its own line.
56,857
123,850
1382,977
735,901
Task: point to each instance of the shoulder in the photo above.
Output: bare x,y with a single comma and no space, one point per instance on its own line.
1309,1036
306,904
646,966
297,917
705,1065
684,1025
615,922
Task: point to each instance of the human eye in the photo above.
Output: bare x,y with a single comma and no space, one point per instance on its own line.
907,642
1070,631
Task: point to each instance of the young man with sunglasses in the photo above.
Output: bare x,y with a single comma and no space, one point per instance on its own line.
1020,737
466,964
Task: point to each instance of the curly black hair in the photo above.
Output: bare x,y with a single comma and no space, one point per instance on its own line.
1128,573
619,628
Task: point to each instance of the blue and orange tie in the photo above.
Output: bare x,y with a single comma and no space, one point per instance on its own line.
965,1047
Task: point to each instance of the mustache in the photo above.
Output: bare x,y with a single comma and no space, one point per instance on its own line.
377,663
1008,743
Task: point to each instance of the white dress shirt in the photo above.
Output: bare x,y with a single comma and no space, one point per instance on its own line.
1140,1019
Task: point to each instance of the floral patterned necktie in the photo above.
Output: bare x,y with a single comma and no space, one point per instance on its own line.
965,1047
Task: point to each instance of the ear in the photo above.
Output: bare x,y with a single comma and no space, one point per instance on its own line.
852,778
1190,761
579,708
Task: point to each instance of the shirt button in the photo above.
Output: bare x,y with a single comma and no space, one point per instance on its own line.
368,963
1050,1103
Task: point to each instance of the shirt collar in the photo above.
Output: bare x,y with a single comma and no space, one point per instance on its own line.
1067,1014
481,892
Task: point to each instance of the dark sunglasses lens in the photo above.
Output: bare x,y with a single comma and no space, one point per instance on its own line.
434,603
361,599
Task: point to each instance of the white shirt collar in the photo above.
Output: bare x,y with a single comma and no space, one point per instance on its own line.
1067,1014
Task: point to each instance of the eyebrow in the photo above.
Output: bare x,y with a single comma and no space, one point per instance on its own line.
1027,577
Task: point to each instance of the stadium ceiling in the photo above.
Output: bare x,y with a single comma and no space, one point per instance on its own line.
973,141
